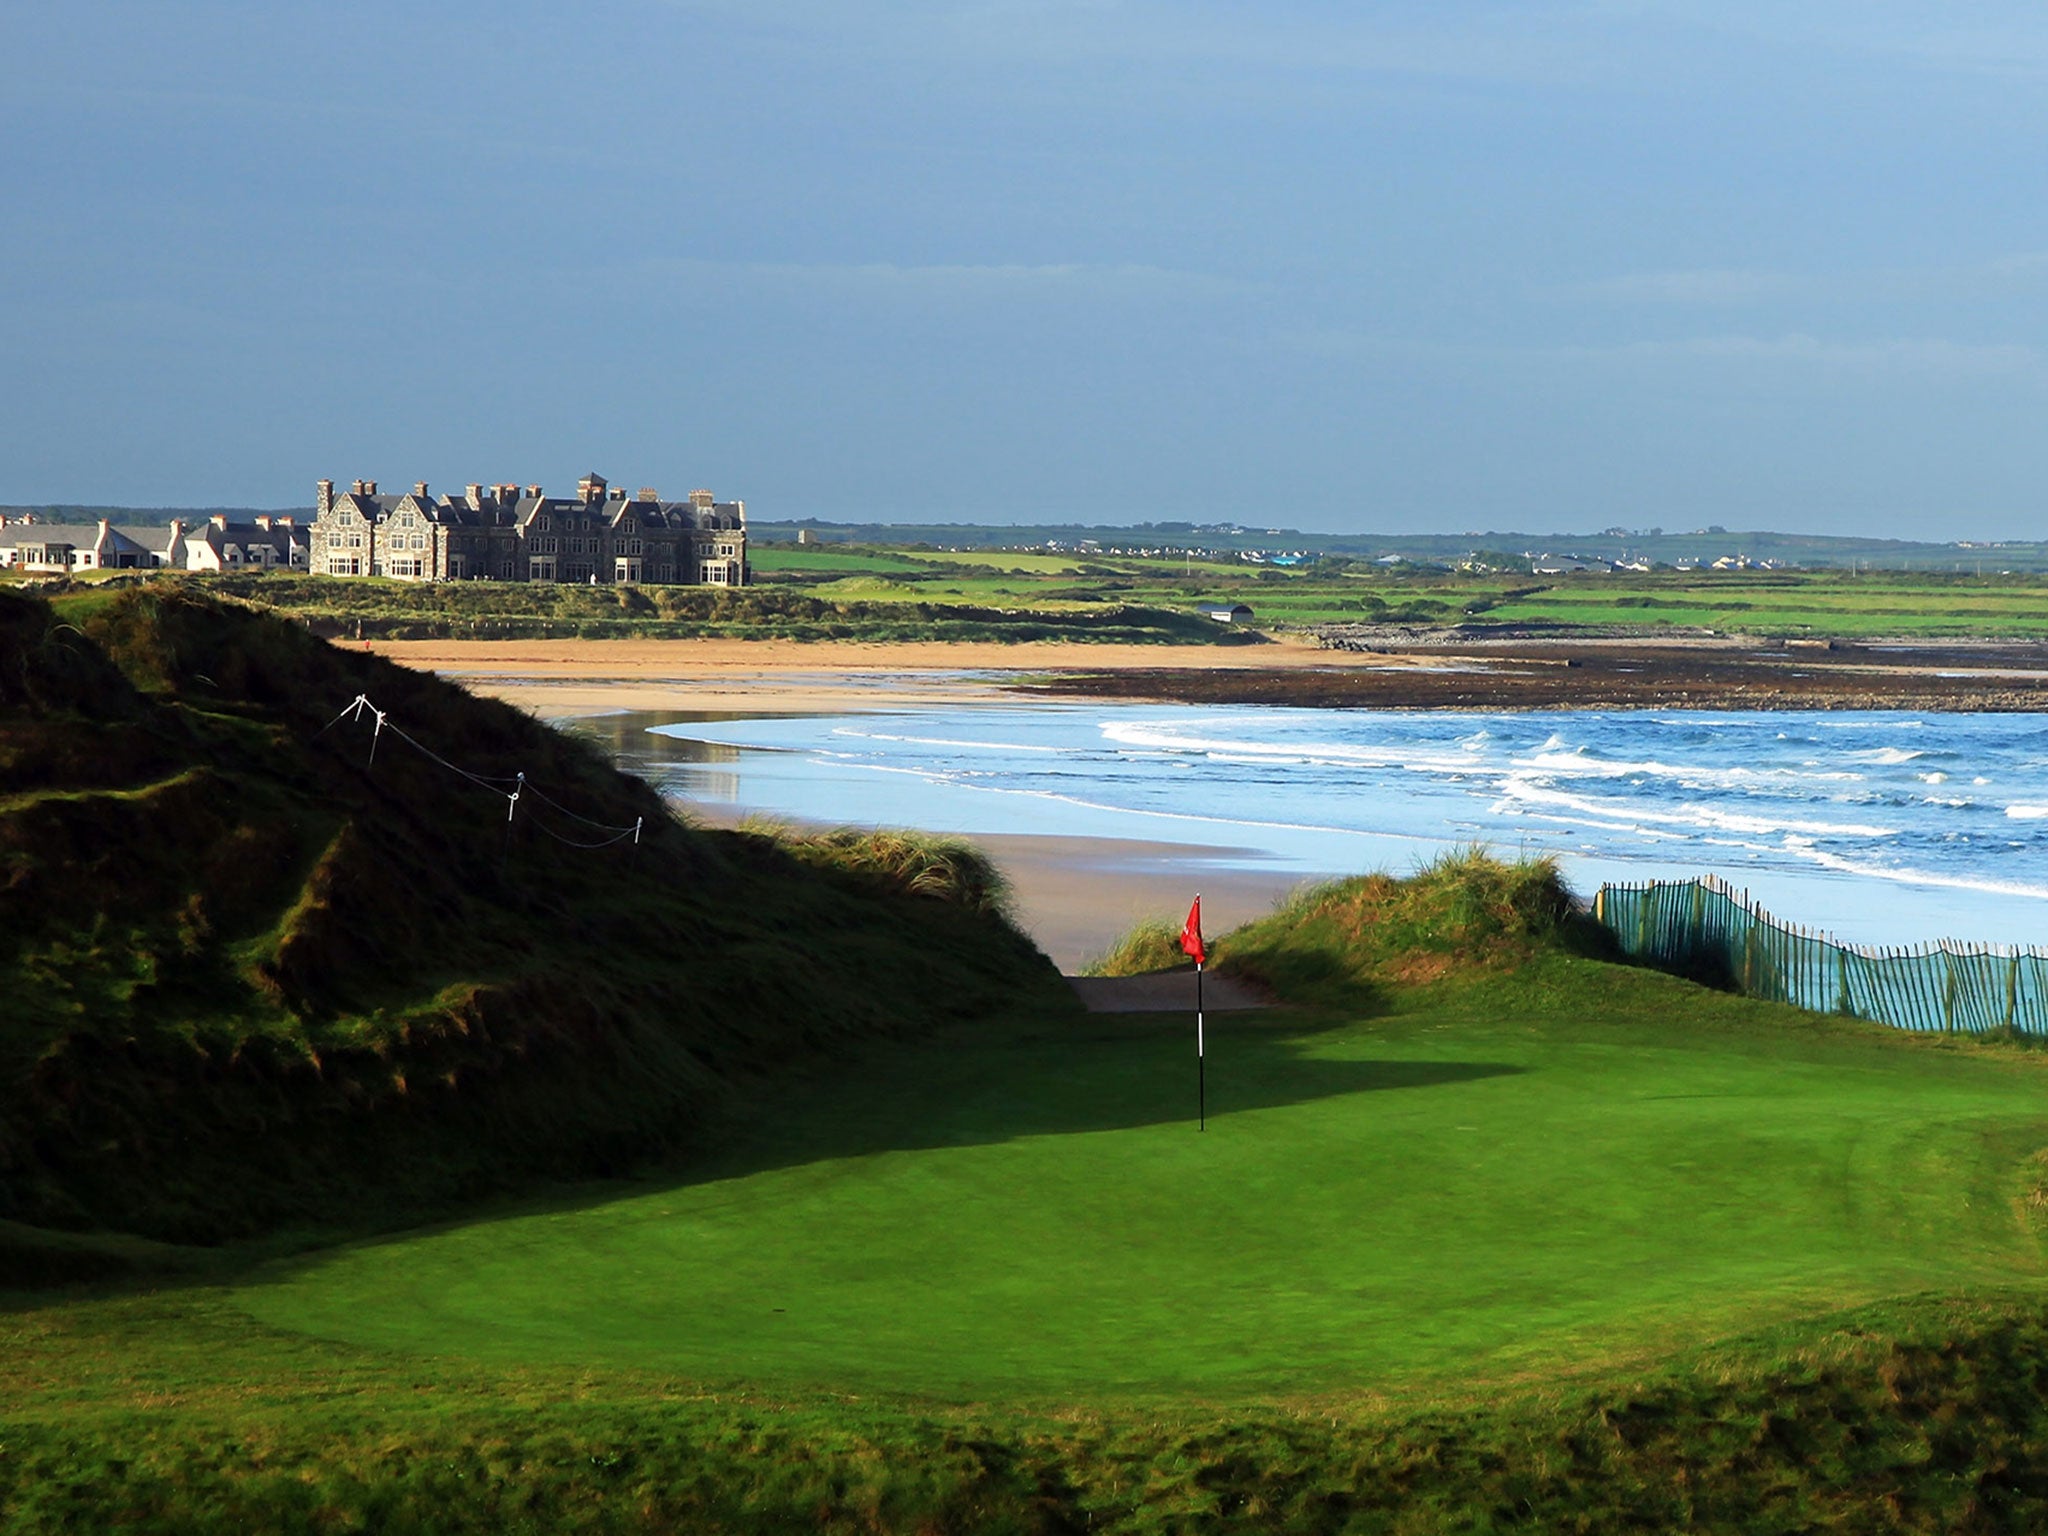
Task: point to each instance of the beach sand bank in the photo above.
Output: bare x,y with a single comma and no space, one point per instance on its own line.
1074,895
1409,671
560,678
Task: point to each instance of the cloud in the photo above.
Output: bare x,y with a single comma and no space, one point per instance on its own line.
1552,40
1126,282
1701,286
1899,357
1895,355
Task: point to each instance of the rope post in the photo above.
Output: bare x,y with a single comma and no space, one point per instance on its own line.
635,854
512,809
375,734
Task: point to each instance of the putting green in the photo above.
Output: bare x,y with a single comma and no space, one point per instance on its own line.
1584,1165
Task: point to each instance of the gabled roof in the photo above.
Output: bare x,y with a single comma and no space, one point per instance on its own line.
77,535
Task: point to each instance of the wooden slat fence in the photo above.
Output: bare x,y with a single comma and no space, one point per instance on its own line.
1708,928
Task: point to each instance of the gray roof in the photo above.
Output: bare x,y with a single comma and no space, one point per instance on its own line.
153,536
77,535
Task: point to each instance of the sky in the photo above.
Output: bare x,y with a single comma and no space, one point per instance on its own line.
1400,267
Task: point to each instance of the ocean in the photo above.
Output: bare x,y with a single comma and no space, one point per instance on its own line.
1879,827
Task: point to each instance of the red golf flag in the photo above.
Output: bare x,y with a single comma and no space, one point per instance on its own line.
1191,934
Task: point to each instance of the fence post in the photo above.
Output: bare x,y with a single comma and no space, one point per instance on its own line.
2012,987
1948,992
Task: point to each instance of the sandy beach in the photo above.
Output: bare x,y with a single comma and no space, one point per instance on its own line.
559,678
1073,895
1076,894
1400,670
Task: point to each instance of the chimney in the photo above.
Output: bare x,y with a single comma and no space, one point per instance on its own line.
648,493
419,489
473,494
533,491
263,522
323,497
220,521
369,487
355,487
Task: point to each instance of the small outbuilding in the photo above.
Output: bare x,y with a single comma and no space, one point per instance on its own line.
1238,613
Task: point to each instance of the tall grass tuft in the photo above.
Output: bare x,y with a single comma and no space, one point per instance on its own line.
1464,910
1153,945
948,869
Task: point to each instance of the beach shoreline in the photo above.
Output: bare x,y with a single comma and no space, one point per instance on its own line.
1076,894
1449,671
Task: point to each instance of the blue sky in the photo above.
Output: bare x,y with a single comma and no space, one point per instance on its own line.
1431,267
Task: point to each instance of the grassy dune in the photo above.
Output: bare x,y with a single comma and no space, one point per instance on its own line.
259,978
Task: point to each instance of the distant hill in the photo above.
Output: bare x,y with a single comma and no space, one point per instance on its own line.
255,978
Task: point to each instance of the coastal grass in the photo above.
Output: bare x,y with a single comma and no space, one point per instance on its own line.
1146,947
1544,1244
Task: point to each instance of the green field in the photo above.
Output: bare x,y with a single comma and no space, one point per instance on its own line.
1826,603
1577,1241
1481,1186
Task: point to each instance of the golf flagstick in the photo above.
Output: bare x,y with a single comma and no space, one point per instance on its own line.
1191,944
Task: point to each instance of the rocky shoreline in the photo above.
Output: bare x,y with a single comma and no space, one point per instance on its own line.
1465,671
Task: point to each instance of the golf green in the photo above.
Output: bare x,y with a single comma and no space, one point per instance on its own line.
1521,1178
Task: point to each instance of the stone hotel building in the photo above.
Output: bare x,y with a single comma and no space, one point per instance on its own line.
514,533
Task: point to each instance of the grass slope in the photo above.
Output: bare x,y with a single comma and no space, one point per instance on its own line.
1536,1177
257,979
1561,1246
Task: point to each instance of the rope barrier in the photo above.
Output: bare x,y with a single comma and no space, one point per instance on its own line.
600,825
492,782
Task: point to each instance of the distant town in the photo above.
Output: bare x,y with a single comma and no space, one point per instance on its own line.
502,532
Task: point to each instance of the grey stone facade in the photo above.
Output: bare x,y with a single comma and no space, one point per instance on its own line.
515,533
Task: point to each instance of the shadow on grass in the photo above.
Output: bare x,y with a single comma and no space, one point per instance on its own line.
1061,1074
1012,1080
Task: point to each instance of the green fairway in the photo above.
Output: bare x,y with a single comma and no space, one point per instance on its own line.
1582,1168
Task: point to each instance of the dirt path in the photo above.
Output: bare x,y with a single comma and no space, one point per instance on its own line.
1166,992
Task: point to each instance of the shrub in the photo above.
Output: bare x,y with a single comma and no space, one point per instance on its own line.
1153,945
946,869
1462,910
